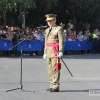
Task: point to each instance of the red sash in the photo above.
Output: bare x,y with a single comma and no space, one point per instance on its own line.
56,47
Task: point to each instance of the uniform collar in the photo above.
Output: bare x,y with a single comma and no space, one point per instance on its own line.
52,26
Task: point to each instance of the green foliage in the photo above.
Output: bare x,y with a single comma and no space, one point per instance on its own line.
68,11
14,5
84,10
36,16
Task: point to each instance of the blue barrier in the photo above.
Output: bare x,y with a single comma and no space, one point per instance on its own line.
5,45
77,45
26,45
38,46
30,46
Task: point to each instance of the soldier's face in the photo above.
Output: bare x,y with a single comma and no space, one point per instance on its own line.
51,22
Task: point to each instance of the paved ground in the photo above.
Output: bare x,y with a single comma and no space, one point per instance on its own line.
85,69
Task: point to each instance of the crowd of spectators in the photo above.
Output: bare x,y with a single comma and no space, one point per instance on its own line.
15,33
86,35
24,33
80,36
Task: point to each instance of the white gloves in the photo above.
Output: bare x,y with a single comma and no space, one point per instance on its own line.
44,56
60,54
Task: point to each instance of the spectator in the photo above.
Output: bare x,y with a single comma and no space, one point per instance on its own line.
96,31
86,36
9,38
74,33
1,33
65,35
69,38
99,43
42,36
4,37
33,31
94,43
80,36
37,35
72,37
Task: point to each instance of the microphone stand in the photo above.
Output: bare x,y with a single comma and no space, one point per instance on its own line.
21,86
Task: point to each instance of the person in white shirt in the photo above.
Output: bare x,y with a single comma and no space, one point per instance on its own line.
80,36
69,38
37,35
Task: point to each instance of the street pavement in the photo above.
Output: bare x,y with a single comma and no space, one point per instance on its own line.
85,70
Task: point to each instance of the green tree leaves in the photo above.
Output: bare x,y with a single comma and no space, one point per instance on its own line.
14,5
68,11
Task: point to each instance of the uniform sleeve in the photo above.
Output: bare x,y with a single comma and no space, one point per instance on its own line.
45,47
61,40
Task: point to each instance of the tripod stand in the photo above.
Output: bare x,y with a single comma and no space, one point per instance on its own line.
21,86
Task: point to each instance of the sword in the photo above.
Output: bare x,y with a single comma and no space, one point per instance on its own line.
65,64
66,67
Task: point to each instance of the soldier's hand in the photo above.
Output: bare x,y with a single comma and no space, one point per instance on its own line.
44,56
60,54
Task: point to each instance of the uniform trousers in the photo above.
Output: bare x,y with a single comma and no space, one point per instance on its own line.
54,75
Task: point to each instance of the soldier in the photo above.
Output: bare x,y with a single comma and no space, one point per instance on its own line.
54,45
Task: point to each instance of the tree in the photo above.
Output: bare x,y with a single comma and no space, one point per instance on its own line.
16,5
36,16
81,11
76,12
